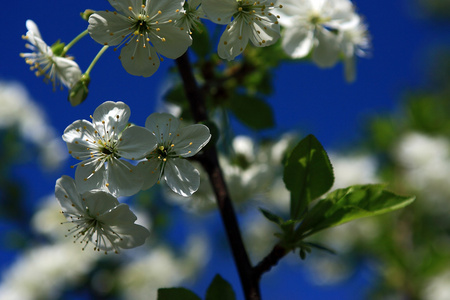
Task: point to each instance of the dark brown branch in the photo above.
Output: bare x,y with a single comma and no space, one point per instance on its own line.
271,260
210,163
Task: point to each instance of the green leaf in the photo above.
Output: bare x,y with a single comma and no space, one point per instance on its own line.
252,111
355,202
201,44
308,174
176,293
271,216
220,289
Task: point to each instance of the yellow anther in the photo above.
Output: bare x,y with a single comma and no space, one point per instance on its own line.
130,8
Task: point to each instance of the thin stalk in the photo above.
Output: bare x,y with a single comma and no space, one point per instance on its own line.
96,58
73,42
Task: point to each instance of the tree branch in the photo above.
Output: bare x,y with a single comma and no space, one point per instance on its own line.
271,260
210,163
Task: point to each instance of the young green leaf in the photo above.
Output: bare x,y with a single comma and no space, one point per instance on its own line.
308,174
176,293
271,216
344,205
252,111
220,289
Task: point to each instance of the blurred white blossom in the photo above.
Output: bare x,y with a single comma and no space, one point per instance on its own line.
438,288
425,162
353,169
19,110
43,272
141,278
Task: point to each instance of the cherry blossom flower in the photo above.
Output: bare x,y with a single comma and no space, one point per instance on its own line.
98,218
313,24
167,160
101,145
354,41
56,69
252,20
147,31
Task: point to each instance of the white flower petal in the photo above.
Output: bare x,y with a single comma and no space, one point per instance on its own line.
110,118
120,214
182,177
326,53
100,203
108,28
67,71
265,33
32,29
168,8
162,125
67,195
234,39
136,142
90,175
173,42
191,139
79,137
123,6
139,61
122,178
131,236
149,171
220,11
293,10
298,41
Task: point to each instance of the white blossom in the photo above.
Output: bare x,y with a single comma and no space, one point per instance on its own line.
147,31
97,217
168,161
313,24
42,59
161,267
251,21
61,264
20,111
354,41
102,144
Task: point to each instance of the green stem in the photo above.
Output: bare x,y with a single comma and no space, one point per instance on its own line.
96,58
73,42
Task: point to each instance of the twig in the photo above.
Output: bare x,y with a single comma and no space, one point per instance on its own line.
210,163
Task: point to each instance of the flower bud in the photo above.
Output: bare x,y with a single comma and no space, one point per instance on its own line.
79,92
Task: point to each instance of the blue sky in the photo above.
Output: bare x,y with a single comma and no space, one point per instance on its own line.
308,98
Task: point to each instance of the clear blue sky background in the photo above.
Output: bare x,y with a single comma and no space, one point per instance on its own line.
314,100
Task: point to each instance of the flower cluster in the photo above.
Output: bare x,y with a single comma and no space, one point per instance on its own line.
107,148
146,31
327,28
